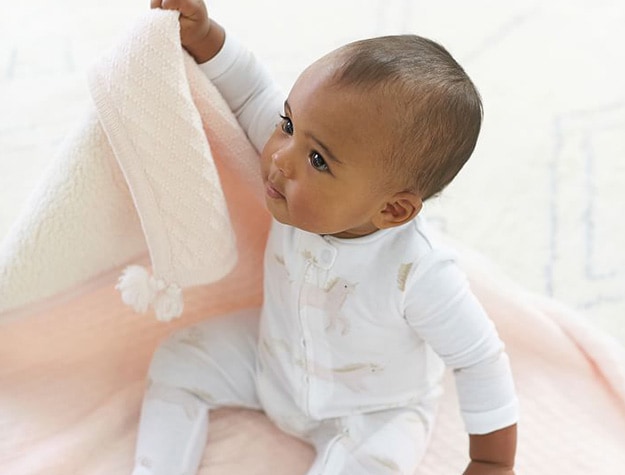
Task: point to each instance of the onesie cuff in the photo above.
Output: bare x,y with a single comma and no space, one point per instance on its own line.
479,423
222,61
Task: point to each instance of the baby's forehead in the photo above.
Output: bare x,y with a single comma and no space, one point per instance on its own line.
323,77
330,70
318,94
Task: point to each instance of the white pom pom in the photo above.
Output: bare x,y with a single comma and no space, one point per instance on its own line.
138,288
168,303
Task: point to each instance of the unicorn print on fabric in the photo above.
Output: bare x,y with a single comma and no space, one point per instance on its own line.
330,300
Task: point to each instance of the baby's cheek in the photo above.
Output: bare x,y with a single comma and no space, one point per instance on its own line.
316,218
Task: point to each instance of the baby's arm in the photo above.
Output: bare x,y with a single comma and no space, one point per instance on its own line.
493,453
445,313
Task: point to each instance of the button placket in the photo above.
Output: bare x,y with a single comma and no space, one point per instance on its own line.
319,257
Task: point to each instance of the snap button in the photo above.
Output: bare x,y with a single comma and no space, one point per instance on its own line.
326,256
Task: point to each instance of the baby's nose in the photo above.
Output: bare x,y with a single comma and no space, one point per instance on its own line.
282,162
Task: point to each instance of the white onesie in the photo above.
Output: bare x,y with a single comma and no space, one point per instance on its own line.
352,340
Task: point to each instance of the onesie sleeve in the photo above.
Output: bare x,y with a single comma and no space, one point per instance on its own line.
248,88
443,311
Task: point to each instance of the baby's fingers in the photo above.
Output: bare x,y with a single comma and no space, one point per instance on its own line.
171,4
188,8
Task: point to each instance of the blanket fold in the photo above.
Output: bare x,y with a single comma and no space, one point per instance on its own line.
147,160
160,173
144,104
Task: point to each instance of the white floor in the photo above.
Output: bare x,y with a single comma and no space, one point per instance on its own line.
544,194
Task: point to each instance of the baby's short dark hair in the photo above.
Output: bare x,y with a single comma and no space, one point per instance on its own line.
437,109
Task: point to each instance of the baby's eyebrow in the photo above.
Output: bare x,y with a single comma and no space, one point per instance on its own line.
326,151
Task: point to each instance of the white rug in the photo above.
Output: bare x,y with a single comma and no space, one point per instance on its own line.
544,194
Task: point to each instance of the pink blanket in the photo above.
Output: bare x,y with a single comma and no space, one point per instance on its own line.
71,379
72,373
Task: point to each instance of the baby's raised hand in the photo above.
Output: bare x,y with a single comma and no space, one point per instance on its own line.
200,36
477,468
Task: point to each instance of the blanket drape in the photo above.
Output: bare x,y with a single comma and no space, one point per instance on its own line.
73,357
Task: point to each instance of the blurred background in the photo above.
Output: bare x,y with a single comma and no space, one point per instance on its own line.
544,193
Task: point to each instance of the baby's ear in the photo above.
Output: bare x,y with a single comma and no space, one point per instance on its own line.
400,209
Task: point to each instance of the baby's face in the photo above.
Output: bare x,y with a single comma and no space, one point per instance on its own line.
322,165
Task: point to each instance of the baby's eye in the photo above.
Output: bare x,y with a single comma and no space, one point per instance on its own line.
318,163
287,125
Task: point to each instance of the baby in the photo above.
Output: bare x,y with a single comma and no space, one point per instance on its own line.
362,309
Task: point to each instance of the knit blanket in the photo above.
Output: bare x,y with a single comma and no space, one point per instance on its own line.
157,171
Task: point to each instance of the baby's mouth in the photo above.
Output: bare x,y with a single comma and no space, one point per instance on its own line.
272,192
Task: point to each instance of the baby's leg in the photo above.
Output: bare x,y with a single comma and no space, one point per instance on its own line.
390,442
199,368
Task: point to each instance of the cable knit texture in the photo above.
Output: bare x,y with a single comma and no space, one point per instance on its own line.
138,172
